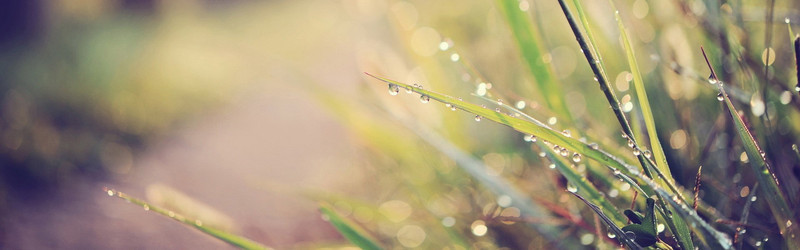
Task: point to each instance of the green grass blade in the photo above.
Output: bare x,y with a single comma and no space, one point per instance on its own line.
229,238
523,126
781,211
528,41
644,102
676,224
622,236
351,231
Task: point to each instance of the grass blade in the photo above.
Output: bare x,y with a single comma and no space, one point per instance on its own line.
229,238
776,199
523,126
352,232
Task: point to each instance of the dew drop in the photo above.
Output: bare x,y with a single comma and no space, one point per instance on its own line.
660,227
648,154
564,152
797,87
595,78
617,172
409,90
497,110
576,157
636,152
146,207
393,89
542,154
566,133
571,188
171,214
477,118
787,20
594,146
788,223
720,97
754,198
552,166
557,149
500,102
611,235
424,99
712,80
528,138
110,192
630,143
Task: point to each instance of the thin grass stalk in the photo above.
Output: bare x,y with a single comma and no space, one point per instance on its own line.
234,240
775,196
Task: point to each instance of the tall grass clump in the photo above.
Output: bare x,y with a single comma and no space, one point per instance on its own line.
643,186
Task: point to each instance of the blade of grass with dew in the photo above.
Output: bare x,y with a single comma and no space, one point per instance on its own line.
520,125
644,102
351,231
229,238
623,238
528,41
781,210
676,224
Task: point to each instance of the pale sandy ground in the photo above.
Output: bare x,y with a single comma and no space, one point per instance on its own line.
246,160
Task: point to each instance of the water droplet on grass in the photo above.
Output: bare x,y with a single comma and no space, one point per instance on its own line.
576,157
630,143
393,89
424,99
477,118
720,97
146,207
571,188
110,192
636,152
648,154
552,166
712,80
611,235
787,20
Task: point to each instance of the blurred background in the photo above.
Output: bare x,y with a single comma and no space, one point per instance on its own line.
245,114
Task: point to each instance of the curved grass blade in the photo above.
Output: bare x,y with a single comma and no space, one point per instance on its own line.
644,102
352,232
521,125
676,224
528,40
229,238
781,211
623,238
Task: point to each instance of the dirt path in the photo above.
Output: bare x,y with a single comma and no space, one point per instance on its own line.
227,160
